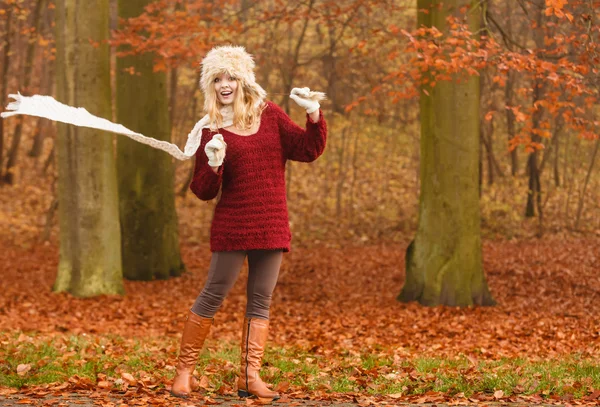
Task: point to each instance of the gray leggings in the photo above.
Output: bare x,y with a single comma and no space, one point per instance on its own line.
223,272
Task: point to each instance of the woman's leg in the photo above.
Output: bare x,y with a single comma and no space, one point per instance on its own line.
223,271
262,278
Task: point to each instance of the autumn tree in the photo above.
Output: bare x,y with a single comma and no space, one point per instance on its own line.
37,20
444,260
90,243
149,234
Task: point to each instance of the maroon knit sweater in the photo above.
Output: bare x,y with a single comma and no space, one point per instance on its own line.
252,211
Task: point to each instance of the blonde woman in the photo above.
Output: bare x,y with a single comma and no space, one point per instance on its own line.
242,157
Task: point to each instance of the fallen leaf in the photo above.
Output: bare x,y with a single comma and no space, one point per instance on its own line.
23,369
282,387
104,384
128,377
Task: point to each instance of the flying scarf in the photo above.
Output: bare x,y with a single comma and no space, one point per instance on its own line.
50,108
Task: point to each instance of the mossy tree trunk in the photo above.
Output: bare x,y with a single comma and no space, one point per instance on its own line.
149,228
90,242
444,261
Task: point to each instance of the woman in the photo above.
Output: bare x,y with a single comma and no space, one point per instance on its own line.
242,159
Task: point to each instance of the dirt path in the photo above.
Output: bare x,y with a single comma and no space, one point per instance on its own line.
112,400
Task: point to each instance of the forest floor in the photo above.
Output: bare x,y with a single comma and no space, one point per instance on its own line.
338,335
93,400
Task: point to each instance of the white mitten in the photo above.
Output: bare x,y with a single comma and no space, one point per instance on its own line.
307,99
215,150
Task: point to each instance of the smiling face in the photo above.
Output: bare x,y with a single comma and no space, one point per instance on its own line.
226,87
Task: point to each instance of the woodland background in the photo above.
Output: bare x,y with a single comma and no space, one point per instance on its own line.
365,188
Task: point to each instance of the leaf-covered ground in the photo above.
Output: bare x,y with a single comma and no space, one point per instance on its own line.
337,331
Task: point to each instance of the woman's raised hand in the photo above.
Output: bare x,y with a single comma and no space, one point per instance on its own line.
215,150
307,99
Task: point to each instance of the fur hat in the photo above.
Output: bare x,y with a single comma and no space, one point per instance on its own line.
235,61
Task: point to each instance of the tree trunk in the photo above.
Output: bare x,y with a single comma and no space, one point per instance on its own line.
49,160
341,178
571,183
444,261
552,150
534,190
190,174
353,183
487,130
243,14
556,157
585,184
47,88
480,164
173,73
38,140
534,193
489,144
90,243
510,127
173,82
508,97
16,140
149,228
5,67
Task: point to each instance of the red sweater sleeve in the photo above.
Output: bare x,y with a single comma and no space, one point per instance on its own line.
300,144
205,184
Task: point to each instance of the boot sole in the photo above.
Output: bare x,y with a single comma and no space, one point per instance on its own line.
245,394
181,396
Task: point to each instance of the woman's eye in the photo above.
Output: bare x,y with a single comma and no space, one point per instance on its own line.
232,79
216,79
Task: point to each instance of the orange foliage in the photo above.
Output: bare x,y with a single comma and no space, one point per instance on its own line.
567,66
176,32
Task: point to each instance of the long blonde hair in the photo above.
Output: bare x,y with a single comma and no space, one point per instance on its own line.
246,107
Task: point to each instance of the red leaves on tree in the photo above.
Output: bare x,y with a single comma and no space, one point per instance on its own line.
566,67
175,32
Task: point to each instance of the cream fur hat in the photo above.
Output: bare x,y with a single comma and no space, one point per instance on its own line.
235,61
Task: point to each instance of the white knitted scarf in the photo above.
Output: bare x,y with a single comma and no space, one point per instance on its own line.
49,108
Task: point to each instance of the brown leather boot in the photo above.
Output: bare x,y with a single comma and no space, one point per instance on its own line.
254,338
194,333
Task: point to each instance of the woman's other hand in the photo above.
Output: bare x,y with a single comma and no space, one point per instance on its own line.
215,151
